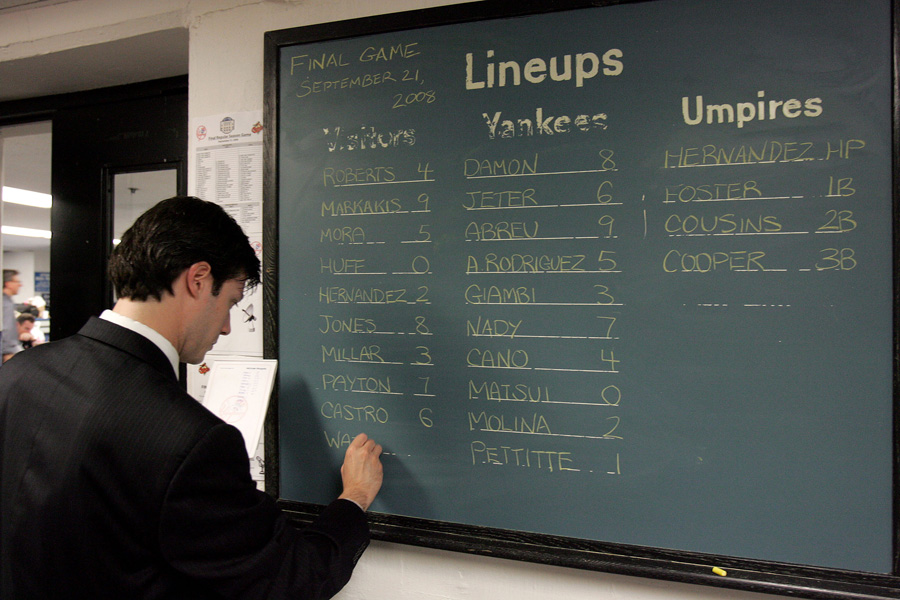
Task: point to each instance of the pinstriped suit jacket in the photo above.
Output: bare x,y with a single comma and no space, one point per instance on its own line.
117,484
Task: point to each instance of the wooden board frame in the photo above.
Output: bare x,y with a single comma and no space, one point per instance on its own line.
687,567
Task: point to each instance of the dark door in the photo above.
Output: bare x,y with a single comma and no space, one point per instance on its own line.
130,129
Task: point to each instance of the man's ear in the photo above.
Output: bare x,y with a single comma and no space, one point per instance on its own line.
197,276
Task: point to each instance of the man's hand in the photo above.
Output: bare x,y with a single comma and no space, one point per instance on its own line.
362,472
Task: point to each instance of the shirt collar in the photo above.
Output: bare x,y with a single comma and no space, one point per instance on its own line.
148,332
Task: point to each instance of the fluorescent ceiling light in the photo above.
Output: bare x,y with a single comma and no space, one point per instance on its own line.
25,232
26,197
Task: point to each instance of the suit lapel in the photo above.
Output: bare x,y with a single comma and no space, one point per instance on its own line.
130,342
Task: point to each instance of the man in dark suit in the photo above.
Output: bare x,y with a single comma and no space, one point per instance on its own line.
117,484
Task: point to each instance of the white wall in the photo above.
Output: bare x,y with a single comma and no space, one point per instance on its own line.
27,263
226,75
25,164
23,262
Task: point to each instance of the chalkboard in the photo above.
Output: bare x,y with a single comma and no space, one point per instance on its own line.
613,278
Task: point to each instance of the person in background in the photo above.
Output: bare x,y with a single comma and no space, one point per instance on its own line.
9,343
25,324
115,483
37,334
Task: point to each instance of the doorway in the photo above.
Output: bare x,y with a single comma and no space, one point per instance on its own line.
25,234
111,158
105,143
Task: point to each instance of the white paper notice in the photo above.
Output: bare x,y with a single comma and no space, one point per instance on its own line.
227,168
227,163
238,393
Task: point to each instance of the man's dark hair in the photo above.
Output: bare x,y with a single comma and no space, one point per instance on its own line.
25,317
169,238
8,274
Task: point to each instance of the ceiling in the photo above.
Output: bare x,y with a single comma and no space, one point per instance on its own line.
13,4
26,165
27,148
140,58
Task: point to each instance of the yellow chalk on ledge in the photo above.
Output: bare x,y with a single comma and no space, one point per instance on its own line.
720,571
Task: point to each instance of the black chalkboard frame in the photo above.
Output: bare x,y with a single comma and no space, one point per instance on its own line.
670,565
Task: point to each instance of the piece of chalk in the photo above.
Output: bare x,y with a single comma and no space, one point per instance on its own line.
719,571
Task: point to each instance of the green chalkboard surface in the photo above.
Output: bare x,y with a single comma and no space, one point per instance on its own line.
615,274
